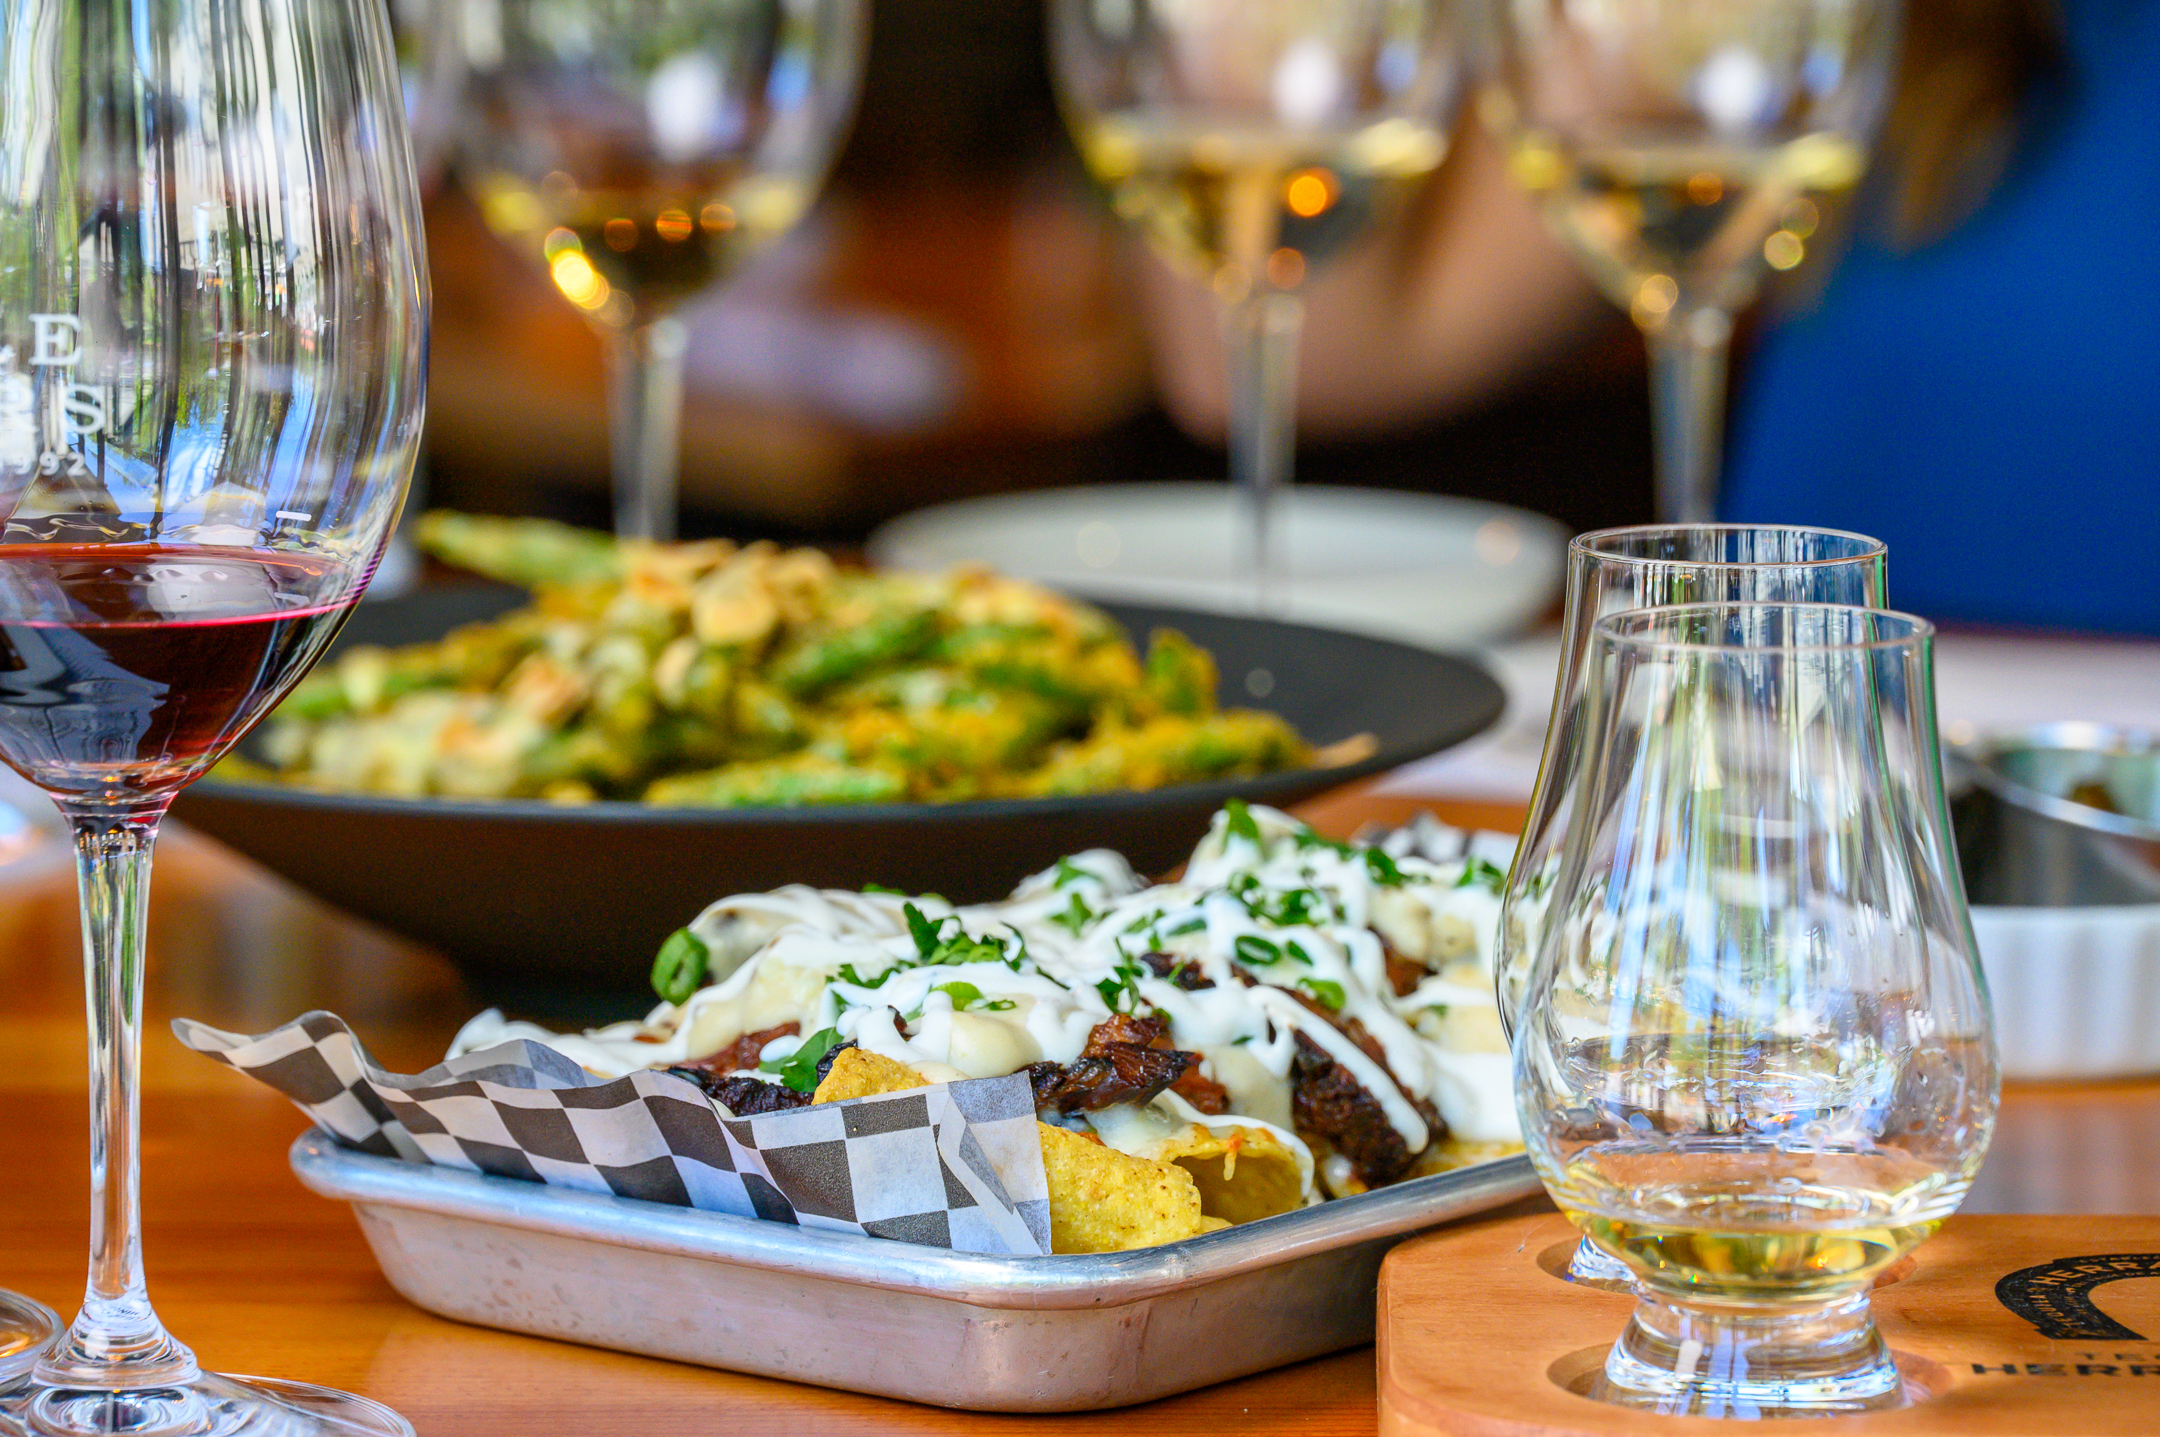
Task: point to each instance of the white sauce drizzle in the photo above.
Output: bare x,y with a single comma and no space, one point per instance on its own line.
1238,911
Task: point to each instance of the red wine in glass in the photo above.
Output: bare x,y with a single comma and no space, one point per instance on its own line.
129,669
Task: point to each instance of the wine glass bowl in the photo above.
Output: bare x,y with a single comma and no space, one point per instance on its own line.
213,321
640,151
1682,148
1250,141
1757,1063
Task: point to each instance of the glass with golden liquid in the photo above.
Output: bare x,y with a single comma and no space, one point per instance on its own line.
642,151
1755,1063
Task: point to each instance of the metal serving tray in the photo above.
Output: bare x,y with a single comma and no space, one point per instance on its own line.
1001,1334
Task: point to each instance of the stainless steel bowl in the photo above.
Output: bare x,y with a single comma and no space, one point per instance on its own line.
2024,840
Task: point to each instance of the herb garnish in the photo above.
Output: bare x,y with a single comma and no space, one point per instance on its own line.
1238,822
1477,870
798,1070
1077,915
1121,994
1383,868
966,995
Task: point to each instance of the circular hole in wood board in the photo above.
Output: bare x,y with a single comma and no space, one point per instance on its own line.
1578,1372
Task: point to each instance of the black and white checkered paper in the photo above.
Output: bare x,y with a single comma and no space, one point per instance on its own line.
954,1165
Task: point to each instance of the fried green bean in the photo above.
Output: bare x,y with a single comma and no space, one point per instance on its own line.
707,674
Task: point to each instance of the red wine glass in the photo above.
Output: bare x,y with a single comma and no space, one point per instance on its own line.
213,320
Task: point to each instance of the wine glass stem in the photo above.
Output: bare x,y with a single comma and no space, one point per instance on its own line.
1261,331
645,384
1687,393
116,1341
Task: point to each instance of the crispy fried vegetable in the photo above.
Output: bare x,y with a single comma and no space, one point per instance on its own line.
526,552
709,675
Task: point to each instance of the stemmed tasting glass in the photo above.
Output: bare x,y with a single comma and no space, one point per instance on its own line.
213,321
1611,570
1757,1065
640,151
1250,140
1680,147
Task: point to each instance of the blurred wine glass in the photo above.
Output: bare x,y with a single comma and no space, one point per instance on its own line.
1681,147
1250,140
1756,1064
640,151
213,324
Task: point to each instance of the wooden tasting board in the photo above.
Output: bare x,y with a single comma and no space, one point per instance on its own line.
2004,1326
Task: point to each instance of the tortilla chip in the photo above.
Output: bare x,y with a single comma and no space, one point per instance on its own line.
1451,1153
1243,1174
1102,1200
859,1073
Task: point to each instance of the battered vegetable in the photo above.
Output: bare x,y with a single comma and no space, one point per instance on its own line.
704,674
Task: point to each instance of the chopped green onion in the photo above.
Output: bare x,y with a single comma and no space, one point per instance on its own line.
1329,994
680,968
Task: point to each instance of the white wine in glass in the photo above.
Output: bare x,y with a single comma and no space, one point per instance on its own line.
640,151
1249,142
1682,148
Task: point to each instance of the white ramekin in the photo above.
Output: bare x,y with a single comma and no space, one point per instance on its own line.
2076,990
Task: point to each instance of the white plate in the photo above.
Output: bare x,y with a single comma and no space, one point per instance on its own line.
1427,570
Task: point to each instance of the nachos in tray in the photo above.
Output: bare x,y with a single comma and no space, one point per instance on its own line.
1293,1019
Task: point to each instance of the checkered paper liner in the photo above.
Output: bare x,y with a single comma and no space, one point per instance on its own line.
954,1165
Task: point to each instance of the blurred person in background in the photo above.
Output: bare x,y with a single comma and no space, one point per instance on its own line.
1965,368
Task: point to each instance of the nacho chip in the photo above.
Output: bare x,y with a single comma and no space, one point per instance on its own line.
859,1073
1102,1200
1243,1174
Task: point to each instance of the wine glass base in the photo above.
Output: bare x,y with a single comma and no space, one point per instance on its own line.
1813,1359
27,1327
211,1406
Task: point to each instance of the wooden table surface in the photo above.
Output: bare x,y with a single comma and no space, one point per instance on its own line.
261,1276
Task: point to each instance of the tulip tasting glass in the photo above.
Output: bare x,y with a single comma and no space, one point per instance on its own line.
1644,568
1756,1064
1638,568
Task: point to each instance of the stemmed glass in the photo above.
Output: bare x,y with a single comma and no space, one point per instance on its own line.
1609,571
1757,1064
1250,140
641,150
213,318
1680,147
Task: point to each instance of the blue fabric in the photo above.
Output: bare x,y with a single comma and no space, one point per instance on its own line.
1989,405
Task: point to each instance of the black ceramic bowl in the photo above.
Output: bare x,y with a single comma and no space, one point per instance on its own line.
541,903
